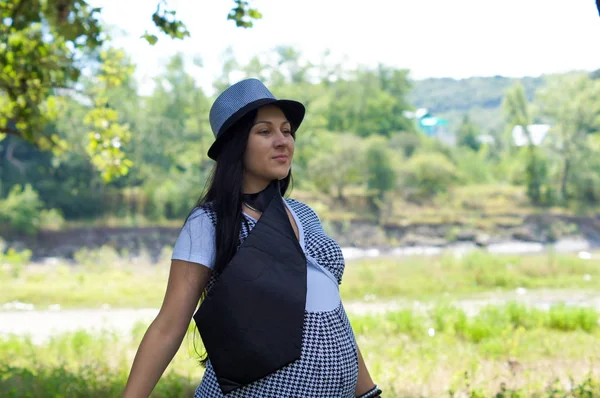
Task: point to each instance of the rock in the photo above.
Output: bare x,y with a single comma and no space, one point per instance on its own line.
419,240
524,234
482,239
466,235
361,235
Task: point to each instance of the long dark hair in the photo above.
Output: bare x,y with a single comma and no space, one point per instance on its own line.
223,193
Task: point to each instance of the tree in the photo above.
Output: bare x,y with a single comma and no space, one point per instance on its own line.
289,67
338,163
517,113
372,102
467,134
405,143
172,137
230,65
427,174
572,103
43,46
381,176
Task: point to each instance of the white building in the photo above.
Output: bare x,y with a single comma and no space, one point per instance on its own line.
538,133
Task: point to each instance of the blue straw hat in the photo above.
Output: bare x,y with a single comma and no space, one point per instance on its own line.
239,99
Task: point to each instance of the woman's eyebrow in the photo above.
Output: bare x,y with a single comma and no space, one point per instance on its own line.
262,121
269,122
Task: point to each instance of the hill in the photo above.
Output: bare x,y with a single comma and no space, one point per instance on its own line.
479,97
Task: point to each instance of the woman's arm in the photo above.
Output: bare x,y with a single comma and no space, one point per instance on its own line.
164,336
364,383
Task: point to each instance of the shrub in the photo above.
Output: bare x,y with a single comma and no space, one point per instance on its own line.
20,210
428,174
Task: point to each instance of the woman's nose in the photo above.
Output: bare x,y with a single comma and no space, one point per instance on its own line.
280,138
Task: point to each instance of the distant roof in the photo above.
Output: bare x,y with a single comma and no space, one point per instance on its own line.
433,121
418,114
538,133
486,139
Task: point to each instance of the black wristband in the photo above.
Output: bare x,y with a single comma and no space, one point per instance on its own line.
372,393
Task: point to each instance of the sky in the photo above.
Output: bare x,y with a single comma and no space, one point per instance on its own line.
431,38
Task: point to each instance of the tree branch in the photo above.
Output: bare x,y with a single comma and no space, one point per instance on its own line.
16,11
11,159
10,131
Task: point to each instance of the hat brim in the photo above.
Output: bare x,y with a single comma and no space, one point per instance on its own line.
294,111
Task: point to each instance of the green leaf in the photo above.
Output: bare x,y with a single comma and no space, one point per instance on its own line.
152,39
254,13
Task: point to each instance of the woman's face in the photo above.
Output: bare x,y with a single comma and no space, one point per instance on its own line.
270,148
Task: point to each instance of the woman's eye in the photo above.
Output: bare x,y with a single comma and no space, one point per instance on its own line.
263,132
287,132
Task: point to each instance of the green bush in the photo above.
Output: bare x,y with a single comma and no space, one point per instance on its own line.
172,198
564,318
20,210
381,176
474,166
16,260
405,142
51,219
447,319
406,322
101,259
428,174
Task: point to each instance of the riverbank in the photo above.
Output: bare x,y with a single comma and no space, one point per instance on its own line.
358,239
496,218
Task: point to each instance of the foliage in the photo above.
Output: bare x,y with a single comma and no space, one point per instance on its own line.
21,209
399,347
427,174
475,167
17,260
42,47
103,276
405,143
518,113
340,162
123,155
467,134
381,175
372,102
572,105
444,94
107,135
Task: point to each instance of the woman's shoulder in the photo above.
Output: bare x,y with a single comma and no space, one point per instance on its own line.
201,213
302,209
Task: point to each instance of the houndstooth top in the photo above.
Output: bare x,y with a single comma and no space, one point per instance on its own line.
328,366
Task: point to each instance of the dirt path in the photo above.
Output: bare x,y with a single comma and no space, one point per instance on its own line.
42,324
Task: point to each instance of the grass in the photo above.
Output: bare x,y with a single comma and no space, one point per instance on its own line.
508,348
427,278
437,350
106,279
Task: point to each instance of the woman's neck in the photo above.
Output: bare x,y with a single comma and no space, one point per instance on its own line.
253,185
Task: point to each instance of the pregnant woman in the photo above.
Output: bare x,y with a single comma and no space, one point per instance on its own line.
265,273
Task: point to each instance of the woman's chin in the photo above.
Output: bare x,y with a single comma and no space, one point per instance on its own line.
279,176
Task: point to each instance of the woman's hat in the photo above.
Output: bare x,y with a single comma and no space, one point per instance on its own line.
239,99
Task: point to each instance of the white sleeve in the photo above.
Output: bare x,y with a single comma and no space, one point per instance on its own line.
196,242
